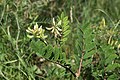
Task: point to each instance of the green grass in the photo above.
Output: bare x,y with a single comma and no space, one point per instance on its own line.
19,62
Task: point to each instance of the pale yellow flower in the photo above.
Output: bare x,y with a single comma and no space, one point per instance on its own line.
36,32
119,46
55,28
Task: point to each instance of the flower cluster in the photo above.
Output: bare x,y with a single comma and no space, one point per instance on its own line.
55,28
36,32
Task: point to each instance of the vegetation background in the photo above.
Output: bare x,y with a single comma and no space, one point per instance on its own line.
90,47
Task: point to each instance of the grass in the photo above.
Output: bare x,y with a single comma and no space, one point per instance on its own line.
17,58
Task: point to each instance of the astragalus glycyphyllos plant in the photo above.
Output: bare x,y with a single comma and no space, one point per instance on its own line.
92,51
52,53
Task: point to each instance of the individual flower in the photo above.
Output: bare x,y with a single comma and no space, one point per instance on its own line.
55,28
36,32
119,46
102,24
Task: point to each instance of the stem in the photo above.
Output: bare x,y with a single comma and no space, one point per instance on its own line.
80,66
63,67
18,31
17,38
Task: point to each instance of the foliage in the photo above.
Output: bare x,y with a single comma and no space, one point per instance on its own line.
59,39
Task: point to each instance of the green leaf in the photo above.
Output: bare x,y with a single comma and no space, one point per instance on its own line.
79,46
113,77
109,52
66,33
65,18
89,39
106,47
89,54
110,58
89,46
56,53
87,31
64,39
38,47
49,51
62,15
111,67
1,45
66,28
86,62
62,56
65,22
